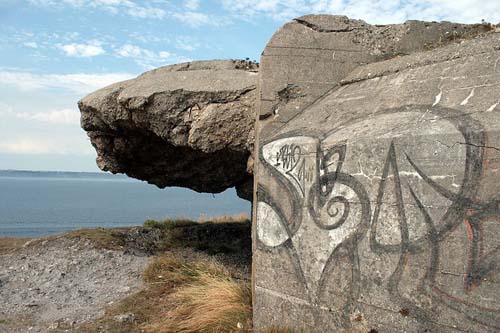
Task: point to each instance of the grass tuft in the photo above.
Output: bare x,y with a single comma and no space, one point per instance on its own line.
183,295
101,238
241,218
209,299
169,223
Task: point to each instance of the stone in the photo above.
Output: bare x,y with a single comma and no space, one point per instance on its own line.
53,326
377,167
125,318
188,125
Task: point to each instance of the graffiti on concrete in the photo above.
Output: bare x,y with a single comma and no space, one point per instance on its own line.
332,208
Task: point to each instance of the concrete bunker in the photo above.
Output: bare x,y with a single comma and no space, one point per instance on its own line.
376,205
375,159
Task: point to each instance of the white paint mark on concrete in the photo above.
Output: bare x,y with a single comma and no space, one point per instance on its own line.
291,299
361,173
333,55
339,100
423,115
496,64
294,158
491,108
269,228
466,100
401,173
438,98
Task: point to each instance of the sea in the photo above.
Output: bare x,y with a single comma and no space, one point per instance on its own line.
40,203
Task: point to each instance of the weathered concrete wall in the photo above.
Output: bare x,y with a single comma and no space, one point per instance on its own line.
377,186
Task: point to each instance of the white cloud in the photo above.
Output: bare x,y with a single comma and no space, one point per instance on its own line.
148,38
112,6
186,43
133,51
77,83
5,108
147,12
90,49
64,116
192,4
32,45
75,145
61,116
372,11
197,19
188,14
146,58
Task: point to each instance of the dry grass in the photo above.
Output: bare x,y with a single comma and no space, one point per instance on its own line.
212,304
208,299
185,295
9,244
182,222
303,330
100,237
169,224
241,217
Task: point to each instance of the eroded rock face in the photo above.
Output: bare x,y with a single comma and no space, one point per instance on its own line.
188,125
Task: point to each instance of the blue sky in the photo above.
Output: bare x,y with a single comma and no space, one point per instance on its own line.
54,52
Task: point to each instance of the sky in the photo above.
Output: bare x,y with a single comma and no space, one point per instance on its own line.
54,52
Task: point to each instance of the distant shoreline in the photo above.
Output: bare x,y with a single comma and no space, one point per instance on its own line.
60,174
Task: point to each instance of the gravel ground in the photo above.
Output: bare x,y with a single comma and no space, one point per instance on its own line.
63,281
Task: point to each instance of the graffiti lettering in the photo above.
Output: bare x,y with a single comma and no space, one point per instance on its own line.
287,157
337,212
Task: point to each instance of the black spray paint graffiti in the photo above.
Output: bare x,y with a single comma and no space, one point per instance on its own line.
325,205
289,158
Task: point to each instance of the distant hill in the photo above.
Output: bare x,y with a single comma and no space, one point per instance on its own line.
61,174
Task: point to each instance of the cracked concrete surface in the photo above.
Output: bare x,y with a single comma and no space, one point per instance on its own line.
377,187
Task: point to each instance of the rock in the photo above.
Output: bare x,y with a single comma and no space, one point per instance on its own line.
53,326
188,125
377,186
125,318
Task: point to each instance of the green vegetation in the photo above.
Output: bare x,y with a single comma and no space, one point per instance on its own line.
169,224
213,238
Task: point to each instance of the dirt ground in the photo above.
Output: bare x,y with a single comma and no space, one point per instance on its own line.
63,281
